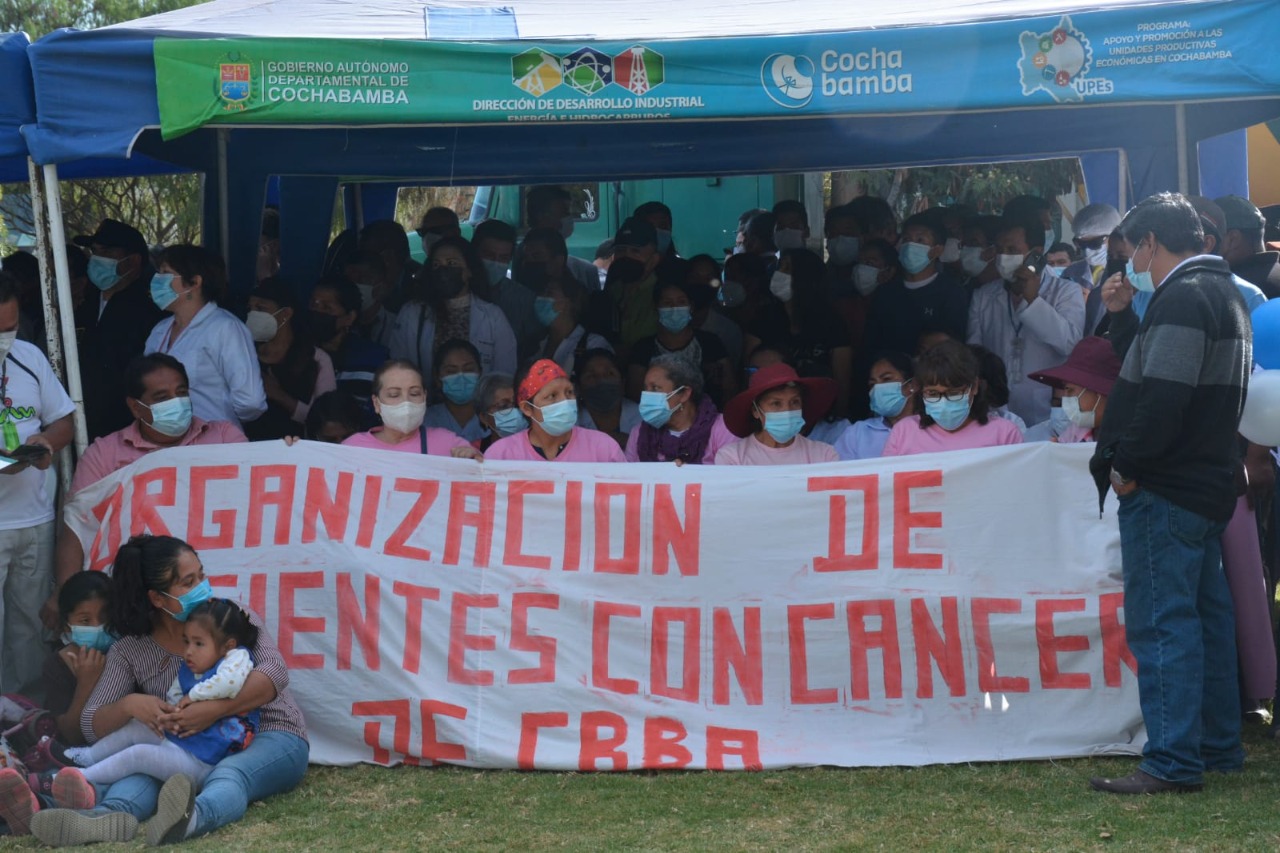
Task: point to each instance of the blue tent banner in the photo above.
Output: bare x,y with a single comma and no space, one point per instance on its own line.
1203,51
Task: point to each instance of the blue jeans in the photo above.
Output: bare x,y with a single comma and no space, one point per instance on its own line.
1181,629
273,764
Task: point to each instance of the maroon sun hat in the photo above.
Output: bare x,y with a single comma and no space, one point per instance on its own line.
819,395
1092,365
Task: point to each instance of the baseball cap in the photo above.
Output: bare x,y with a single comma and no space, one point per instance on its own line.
115,235
636,232
1241,213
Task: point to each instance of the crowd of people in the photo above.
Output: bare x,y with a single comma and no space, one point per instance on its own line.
952,329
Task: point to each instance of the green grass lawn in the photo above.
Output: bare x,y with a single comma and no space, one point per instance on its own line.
989,807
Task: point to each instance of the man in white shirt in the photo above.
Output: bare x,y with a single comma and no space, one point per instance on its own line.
1028,317
34,412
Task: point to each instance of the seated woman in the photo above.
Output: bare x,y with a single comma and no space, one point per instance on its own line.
604,408
401,401
496,408
893,397
547,398
559,309
158,582
769,416
955,413
679,420
677,335
457,367
1086,380
294,370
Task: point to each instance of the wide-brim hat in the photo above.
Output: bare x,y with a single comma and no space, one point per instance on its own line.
1093,365
819,395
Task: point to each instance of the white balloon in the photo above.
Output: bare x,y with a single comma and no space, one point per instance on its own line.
1260,422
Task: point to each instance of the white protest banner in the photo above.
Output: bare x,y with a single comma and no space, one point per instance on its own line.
929,609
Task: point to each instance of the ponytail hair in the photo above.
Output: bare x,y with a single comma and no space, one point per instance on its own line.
226,620
143,564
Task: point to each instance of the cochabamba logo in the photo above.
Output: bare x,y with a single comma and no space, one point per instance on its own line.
788,79
1057,62
235,81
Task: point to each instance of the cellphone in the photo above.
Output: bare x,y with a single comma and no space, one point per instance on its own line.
1114,266
23,453
1035,260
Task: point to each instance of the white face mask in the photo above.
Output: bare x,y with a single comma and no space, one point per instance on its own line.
1097,257
1007,265
6,343
971,260
950,251
866,278
366,296
788,238
1071,409
780,285
262,326
403,417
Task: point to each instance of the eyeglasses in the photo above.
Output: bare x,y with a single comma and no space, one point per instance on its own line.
1090,242
951,396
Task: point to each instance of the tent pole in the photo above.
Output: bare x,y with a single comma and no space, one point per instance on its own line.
224,203
58,244
359,205
1180,127
1122,164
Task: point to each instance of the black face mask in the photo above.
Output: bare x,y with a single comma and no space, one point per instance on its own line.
602,397
533,275
626,270
447,282
323,326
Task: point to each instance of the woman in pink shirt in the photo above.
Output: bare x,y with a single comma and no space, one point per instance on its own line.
545,396
400,399
769,416
1086,380
955,414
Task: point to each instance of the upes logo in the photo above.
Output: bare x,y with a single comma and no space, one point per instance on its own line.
1057,62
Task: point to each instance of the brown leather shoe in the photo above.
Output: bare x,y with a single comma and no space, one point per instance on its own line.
1141,782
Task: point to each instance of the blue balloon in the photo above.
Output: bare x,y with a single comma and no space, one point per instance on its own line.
1266,335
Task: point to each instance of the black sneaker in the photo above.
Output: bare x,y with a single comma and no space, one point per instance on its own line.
173,814
67,828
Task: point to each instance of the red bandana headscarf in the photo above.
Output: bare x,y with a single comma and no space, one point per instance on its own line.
540,375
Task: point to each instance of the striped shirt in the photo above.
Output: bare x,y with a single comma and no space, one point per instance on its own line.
141,665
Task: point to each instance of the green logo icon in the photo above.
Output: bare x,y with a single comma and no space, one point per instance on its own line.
536,71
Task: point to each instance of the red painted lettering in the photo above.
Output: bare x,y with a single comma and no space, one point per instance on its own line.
741,651
398,545
664,747
670,536
433,748
801,693
413,597
223,519
931,647
884,638
529,726
142,508
261,497
480,519
905,520
691,653
594,747
603,613
1115,647
522,641
513,545
989,681
1051,645
460,641
744,743
291,623
838,558
354,624
629,562
320,505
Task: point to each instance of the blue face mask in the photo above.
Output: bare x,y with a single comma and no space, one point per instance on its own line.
509,422
664,240
1140,280
887,399
949,414
162,292
102,272
171,417
783,426
653,407
914,257
559,418
89,637
1058,421
675,319
459,388
544,308
191,599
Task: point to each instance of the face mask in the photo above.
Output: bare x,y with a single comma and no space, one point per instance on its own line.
102,272
1058,420
788,238
842,250
323,326
89,637
603,396
459,388
171,417
654,409
626,270
533,274
366,296
664,241
971,260
560,418
949,414
566,226
1007,265
914,257
544,308
448,282
403,417
190,600
1082,419
1056,272
509,422
1097,257
780,285
428,240
6,343
497,271
1140,280
950,251
866,279
262,326
1049,239
887,399
732,294
162,292
675,319
783,426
